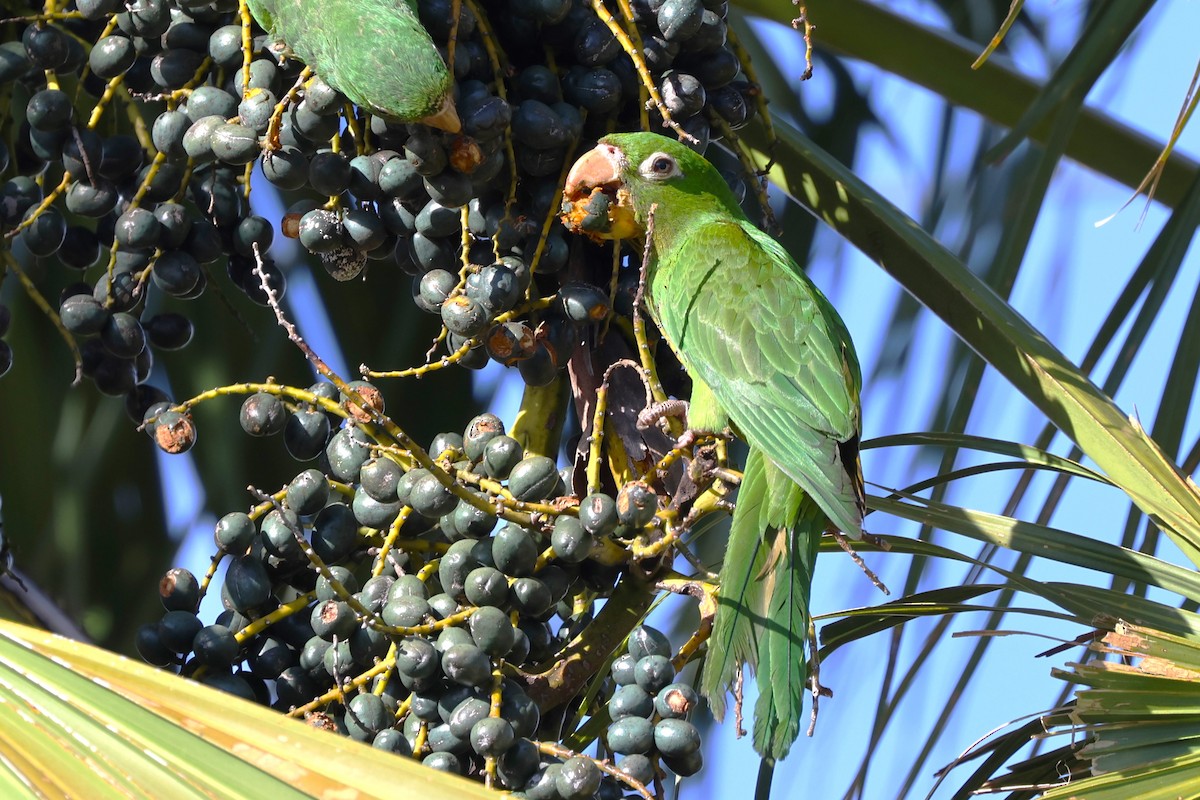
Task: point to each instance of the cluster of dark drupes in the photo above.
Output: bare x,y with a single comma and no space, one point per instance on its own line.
134,130
426,609
149,215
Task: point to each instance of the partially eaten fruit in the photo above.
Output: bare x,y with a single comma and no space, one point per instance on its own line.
599,216
595,201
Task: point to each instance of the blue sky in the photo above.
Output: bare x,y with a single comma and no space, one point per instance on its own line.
1072,273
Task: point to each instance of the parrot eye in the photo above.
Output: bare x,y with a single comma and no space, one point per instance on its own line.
659,167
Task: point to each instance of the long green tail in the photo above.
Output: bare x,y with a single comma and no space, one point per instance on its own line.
763,602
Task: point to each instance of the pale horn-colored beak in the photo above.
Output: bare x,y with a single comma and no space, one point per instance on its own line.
446,117
600,166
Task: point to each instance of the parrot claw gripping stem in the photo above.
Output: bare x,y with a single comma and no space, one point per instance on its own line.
657,412
660,411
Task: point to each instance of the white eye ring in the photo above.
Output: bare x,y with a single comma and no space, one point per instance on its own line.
659,167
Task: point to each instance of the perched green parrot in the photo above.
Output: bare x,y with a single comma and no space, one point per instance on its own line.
373,51
768,356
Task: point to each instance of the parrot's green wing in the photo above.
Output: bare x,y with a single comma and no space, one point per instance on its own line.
746,321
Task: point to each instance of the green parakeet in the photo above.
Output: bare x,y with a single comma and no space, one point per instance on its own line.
770,357
373,51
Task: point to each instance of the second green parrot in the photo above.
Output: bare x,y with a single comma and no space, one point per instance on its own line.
375,52
768,356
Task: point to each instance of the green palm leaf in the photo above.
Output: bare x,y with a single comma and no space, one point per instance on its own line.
78,721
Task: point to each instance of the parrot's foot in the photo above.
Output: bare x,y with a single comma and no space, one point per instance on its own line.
653,414
657,412
844,543
660,411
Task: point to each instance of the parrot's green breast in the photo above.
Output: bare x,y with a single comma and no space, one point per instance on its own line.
373,51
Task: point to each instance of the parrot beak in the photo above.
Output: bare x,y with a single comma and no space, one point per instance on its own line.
445,118
595,200
600,166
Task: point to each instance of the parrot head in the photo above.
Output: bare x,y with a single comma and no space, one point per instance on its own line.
611,188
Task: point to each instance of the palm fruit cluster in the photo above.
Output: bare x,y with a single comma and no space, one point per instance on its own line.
649,710
144,214
418,614
414,599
